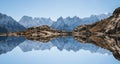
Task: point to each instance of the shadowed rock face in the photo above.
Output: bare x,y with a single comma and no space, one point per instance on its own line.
104,33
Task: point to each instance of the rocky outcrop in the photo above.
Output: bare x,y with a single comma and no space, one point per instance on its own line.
104,33
42,33
108,26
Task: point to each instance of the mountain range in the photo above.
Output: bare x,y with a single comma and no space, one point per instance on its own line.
69,23
28,22
10,25
61,23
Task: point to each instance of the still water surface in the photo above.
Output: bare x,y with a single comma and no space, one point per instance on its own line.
62,50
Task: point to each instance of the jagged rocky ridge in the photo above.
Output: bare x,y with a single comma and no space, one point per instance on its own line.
61,23
28,22
69,24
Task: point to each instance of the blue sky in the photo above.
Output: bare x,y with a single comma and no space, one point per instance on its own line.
56,8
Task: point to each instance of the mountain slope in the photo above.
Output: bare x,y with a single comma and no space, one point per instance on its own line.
59,24
10,24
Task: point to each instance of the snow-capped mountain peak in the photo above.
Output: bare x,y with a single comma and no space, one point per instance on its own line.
28,22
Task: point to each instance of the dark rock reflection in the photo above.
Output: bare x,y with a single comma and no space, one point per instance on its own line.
111,43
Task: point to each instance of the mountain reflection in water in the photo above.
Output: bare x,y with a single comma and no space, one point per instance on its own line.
7,44
68,43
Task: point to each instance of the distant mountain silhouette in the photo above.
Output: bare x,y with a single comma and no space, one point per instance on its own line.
9,24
